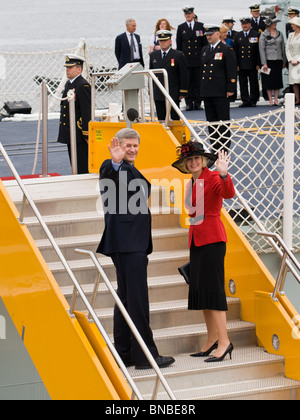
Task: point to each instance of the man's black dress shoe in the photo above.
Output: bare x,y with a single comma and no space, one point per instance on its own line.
128,363
161,361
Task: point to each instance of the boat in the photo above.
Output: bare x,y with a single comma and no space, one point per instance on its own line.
57,296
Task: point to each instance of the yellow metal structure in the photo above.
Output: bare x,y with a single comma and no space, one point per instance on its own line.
66,361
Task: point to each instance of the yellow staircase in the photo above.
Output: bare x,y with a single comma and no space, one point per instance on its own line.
63,356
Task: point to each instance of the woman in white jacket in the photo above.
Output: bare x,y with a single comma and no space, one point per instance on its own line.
293,57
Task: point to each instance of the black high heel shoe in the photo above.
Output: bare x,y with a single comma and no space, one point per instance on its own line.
229,351
206,353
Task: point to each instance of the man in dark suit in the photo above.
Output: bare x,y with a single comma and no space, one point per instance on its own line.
246,46
82,89
128,47
127,240
218,84
173,61
190,40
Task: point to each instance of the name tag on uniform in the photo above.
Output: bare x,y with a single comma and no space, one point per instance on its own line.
199,33
219,56
253,40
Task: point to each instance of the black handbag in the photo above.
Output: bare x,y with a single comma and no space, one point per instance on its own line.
184,270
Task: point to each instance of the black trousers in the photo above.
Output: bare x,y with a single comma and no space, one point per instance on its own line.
133,292
250,76
82,157
161,110
218,109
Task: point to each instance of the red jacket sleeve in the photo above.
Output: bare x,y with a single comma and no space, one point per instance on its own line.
222,187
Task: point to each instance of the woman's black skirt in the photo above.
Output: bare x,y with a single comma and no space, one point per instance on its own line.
207,282
273,81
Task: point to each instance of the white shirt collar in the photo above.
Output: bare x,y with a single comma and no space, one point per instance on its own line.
71,81
167,52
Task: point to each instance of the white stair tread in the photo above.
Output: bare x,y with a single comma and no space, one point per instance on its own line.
164,307
90,239
241,356
155,257
188,330
152,282
58,188
84,216
236,390
55,188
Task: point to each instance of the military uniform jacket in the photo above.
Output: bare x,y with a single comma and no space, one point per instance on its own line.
218,71
258,27
191,42
175,64
82,111
247,50
231,34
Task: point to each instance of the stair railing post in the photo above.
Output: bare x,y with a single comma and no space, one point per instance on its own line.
45,127
289,152
73,140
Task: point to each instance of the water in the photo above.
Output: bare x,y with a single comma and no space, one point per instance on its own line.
43,25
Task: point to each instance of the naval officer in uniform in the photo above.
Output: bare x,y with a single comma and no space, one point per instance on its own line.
174,62
82,89
257,22
246,45
190,40
218,84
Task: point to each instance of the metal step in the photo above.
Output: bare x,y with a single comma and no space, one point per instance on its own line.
170,314
82,224
170,238
65,196
269,389
160,290
165,314
190,338
160,264
248,363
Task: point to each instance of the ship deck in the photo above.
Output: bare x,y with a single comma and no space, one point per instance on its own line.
19,139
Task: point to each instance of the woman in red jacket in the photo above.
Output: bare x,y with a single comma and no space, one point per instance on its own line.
207,241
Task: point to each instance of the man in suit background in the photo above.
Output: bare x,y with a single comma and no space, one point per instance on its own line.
128,47
190,40
127,240
218,84
173,61
82,89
